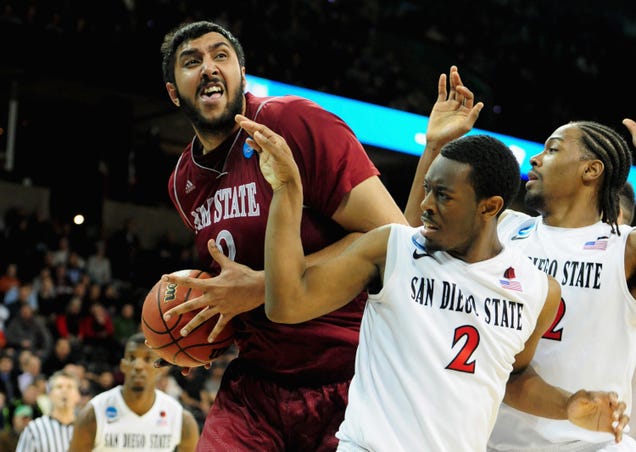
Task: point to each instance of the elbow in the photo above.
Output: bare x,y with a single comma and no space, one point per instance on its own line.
278,315
279,312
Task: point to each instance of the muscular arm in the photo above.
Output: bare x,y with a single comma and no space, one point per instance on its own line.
325,286
84,431
528,392
189,433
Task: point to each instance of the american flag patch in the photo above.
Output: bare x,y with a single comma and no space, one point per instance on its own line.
512,285
595,245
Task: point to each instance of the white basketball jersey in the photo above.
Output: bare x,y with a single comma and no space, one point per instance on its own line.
437,344
592,343
118,428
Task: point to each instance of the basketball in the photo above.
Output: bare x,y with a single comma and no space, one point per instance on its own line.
164,336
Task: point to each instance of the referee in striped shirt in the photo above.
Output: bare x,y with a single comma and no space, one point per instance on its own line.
52,432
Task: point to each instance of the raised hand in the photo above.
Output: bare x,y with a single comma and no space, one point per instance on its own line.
455,111
275,158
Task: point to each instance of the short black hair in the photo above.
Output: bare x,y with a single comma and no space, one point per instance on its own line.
494,168
186,32
137,338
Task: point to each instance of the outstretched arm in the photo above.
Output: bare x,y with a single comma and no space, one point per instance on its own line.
454,114
528,392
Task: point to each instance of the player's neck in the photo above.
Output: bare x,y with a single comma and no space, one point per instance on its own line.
139,402
64,416
211,141
572,215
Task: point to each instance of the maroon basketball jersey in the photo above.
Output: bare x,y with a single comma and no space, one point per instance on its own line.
230,204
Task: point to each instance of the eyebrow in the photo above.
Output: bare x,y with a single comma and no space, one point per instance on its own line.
553,139
210,48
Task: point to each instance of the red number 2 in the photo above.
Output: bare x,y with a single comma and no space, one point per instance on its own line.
461,362
553,333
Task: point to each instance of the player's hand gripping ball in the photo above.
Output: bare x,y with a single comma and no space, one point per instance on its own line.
164,336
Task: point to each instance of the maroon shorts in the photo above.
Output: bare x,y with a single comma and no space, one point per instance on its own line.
254,414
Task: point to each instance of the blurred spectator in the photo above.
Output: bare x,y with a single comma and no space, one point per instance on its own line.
27,331
30,398
123,250
20,295
126,323
63,354
75,267
49,304
43,400
63,284
99,333
98,265
30,368
9,278
8,377
70,324
62,252
22,415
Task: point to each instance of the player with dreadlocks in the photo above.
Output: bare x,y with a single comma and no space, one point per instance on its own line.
574,184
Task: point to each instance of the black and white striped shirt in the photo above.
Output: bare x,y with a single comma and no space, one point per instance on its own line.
45,434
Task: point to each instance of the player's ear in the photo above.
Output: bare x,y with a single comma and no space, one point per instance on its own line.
490,207
173,93
593,170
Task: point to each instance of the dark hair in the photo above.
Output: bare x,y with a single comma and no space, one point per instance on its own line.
495,170
186,32
137,338
611,148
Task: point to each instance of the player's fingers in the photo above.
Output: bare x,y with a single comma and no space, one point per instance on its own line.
190,305
186,281
251,127
185,371
160,362
201,317
474,113
441,88
631,126
217,254
219,327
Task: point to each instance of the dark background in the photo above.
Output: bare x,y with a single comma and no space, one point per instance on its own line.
94,119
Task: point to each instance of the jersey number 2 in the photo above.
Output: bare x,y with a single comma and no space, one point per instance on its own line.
462,362
553,332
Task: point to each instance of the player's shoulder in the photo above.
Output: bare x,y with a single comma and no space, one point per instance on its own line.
167,399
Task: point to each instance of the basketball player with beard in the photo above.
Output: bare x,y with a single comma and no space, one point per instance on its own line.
287,390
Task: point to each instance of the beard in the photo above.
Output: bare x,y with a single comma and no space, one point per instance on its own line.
218,126
534,201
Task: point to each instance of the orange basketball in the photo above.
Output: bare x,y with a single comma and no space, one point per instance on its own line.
164,336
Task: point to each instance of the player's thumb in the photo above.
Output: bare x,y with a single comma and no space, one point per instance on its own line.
216,253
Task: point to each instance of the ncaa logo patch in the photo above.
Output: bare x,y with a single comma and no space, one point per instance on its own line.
524,231
111,414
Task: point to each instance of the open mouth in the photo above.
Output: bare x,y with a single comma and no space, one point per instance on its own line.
212,92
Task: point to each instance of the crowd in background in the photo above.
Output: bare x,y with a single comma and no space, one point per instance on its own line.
534,64
69,302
